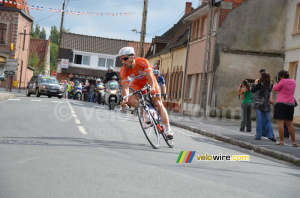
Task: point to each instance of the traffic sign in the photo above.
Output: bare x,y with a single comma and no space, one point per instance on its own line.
10,73
54,73
11,64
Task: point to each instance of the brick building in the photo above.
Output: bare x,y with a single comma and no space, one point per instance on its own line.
15,27
89,56
42,48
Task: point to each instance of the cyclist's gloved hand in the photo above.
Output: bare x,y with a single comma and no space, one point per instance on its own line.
152,92
123,104
164,95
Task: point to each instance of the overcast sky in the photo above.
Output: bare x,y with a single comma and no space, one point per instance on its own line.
162,14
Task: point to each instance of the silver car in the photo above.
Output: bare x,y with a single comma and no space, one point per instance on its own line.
44,85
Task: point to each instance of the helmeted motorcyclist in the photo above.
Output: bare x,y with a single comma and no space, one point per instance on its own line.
98,83
99,86
110,73
110,83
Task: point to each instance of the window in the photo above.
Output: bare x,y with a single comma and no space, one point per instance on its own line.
106,62
110,63
293,68
203,27
180,84
85,60
101,62
191,85
297,19
195,27
82,60
24,40
215,23
3,33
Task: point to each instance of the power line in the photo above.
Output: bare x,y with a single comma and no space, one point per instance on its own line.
181,14
46,17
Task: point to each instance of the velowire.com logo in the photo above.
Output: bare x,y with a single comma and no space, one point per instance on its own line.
186,156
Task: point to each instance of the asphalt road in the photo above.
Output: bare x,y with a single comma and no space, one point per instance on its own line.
62,148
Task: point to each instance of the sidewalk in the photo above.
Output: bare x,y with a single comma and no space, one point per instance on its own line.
14,92
227,131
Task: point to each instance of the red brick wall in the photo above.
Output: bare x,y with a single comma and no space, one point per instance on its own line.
22,52
16,24
62,76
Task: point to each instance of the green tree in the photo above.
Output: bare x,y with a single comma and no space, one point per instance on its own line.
43,34
54,35
53,56
33,61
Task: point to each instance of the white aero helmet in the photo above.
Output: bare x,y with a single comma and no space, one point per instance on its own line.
98,79
126,51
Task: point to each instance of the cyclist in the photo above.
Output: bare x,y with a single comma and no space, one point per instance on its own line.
161,83
141,72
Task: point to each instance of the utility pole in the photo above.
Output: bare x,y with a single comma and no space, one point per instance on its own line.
60,33
206,61
143,31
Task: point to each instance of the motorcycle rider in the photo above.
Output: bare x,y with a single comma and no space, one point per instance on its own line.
141,71
113,78
110,73
99,86
161,82
77,86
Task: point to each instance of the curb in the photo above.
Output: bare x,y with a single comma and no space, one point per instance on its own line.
6,96
265,151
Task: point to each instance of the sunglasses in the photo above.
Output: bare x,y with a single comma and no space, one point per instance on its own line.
125,58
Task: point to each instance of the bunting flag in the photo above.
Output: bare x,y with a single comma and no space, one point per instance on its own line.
79,13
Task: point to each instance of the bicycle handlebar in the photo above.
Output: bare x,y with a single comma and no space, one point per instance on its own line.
147,87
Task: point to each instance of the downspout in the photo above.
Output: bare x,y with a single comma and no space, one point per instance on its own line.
185,68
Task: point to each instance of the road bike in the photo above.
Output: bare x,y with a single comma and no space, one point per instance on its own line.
149,118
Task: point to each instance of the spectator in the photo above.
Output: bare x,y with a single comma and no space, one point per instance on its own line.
69,89
92,92
65,88
264,131
86,92
284,107
244,89
262,107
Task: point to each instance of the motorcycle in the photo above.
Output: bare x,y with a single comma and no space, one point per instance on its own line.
77,93
112,95
98,94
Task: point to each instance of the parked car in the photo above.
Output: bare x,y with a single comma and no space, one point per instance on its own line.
44,85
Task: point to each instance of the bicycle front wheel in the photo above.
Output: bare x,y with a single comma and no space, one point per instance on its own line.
149,128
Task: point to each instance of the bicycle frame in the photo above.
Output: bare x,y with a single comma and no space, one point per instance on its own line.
144,105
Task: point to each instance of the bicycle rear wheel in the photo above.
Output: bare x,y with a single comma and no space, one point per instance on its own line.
149,128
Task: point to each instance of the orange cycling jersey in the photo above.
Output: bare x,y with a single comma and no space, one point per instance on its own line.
138,73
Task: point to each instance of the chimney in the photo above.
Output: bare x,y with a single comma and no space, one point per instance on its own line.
204,1
188,7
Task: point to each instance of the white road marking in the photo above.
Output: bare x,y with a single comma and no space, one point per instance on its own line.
76,119
36,100
82,130
14,99
57,101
